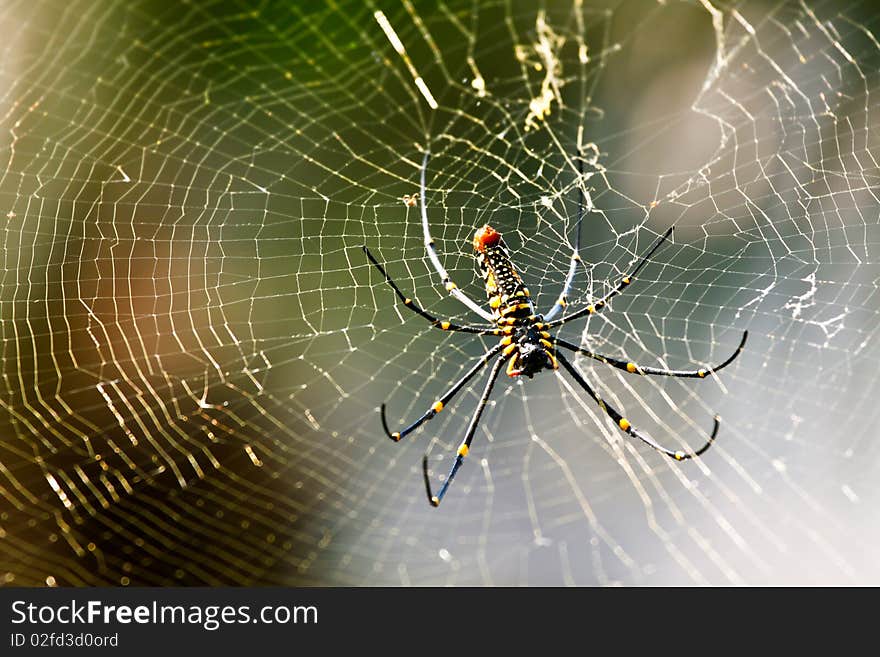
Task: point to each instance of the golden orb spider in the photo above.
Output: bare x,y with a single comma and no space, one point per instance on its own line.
526,344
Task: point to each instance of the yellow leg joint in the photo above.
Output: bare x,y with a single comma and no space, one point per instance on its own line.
701,373
495,301
679,456
463,450
407,302
546,343
626,280
624,424
396,436
435,501
507,340
591,309
545,335
632,368
438,406
450,286
509,349
445,325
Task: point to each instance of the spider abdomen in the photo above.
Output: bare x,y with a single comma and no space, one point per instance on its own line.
506,292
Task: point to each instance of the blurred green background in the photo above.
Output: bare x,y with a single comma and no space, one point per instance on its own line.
194,347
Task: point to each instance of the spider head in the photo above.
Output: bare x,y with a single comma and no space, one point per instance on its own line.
532,356
486,237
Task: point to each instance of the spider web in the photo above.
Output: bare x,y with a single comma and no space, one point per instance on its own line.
194,347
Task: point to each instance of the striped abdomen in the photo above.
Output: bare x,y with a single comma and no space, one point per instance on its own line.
507,294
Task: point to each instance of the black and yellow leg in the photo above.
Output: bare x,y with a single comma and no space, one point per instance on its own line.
626,427
465,446
622,285
510,352
631,367
438,405
409,303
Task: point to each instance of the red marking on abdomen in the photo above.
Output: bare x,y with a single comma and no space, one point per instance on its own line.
486,237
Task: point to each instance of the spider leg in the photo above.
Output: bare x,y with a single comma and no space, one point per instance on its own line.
624,424
631,367
624,282
464,448
450,286
447,396
409,303
562,301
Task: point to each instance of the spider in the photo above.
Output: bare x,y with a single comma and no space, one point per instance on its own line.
527,345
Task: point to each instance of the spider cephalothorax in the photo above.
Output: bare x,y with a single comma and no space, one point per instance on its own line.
526,343
534,352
